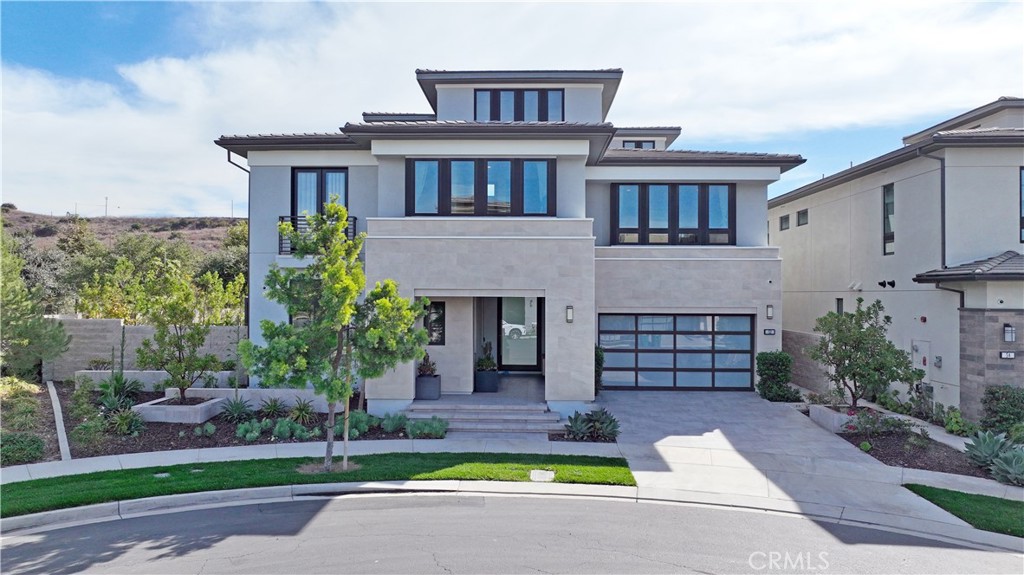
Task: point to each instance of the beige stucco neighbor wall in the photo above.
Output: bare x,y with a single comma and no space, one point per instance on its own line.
94,338
739,280
453,257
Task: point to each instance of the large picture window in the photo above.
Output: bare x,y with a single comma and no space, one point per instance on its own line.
519,105
434,323
674,214
660,351
479,187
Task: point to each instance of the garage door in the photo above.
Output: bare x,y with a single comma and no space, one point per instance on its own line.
648,351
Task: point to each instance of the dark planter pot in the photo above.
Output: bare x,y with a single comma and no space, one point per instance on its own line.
428,387
486,382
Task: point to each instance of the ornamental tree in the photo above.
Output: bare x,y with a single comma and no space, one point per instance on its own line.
858,356
338,337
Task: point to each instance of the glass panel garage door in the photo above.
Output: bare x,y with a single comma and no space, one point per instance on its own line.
660,351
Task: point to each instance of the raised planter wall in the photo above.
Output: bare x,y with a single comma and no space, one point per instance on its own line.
158,411
824,416
255,395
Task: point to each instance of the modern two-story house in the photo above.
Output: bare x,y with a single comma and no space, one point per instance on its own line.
537,230
933,229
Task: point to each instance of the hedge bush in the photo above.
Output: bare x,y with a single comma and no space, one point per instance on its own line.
774,371
1004,408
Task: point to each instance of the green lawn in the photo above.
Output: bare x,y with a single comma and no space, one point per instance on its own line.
86,489
981,511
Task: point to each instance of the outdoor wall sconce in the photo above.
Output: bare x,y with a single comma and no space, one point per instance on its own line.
769,311
890,283
568,314
881,284
1009,333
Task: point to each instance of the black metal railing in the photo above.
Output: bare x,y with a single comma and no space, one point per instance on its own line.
301,224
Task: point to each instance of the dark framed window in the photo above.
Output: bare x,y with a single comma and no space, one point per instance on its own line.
839,305
659,351
638,144
434,323
888,219
674,214
1022,205
801,218
519,105
313,187
784,222
480,187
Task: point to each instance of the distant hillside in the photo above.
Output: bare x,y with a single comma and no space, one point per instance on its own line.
202,233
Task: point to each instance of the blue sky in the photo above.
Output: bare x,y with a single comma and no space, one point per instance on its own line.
123,99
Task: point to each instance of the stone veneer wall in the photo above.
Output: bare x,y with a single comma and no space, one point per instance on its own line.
981,340
807,373
94,338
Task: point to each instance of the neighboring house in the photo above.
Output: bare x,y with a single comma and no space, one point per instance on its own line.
935,231
538,229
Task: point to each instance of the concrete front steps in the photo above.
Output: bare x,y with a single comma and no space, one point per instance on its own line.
480,418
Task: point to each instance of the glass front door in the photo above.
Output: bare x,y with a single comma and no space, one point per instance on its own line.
520,333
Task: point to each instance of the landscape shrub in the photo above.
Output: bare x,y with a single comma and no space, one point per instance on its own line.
1008,467
359,422
82,401
125,422
302,412
205,430
99,364
985,446
1003,407
1016,434
287,428
954,422
774,372
579,427
236,410
435,428
21,413
598,368
273,408
121,388
871,423
252,429
17,448
394,423
89,431
12,387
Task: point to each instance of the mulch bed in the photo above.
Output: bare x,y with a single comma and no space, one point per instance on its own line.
47,428
893,449
171,436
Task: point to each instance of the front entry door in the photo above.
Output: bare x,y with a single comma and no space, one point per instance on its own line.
520,333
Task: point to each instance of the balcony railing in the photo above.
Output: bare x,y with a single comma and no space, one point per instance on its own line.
301,224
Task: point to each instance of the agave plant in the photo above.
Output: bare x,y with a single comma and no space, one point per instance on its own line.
605,426
579,427
985,447
236,411
1008,467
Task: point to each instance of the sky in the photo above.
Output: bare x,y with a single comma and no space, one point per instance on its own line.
112,107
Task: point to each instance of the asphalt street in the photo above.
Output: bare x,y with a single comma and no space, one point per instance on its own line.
429,533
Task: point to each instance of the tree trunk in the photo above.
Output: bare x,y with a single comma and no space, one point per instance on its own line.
329,456
344,443
362,396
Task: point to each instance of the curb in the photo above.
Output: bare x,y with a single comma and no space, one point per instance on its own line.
58,416
59,519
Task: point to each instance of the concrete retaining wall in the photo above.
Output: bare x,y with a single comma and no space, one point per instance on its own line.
94,339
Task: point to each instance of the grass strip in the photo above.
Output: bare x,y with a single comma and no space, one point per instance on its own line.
86,489
981,511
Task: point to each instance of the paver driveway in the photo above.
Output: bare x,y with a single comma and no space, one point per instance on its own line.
736,448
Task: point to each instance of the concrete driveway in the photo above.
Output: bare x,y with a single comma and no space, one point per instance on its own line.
738,449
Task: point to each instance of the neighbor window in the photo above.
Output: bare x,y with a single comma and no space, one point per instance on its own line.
784,222
476,187
313,187
839,305
519,105
801,218
674,214
434,323
888,215
638,144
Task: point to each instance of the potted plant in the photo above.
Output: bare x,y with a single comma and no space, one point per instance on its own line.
428,383
486,378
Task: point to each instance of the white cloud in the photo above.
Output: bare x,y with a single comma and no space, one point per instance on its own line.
722,71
